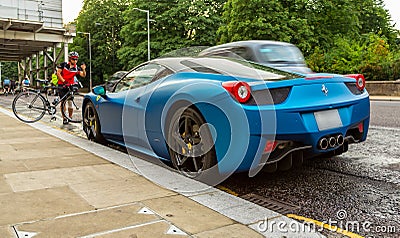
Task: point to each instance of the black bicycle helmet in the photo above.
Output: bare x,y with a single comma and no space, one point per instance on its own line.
73,54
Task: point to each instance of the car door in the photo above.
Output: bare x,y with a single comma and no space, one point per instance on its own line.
150,73
121,108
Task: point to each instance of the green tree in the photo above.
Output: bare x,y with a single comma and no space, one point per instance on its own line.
266,20
174,25
103,19
332,18
9,70
374,18
370,55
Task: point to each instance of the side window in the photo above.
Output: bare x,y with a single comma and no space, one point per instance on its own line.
223,53
138,77
243,52
162,73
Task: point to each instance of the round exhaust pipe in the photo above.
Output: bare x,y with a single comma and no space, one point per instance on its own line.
332,141
340,140
323,144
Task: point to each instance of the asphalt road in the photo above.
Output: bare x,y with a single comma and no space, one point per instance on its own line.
385,113
359,189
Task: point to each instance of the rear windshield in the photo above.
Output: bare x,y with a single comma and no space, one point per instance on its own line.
236,68
281,54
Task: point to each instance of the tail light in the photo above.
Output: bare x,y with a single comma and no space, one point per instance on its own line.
360,80
240,90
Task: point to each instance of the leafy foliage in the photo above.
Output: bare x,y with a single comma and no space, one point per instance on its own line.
370,55
103,19
266,20
174,25
342,36
9,70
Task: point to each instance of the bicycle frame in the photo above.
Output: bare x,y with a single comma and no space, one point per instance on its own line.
38,104
50,109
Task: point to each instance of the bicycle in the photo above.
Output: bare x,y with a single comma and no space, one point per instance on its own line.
30,106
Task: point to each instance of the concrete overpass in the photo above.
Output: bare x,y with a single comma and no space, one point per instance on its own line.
32,34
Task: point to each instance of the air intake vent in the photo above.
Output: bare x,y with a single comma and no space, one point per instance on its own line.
269,96
353,88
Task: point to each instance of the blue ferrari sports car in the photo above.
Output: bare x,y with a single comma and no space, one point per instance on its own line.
210,115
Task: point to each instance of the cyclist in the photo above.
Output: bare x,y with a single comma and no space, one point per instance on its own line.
13,86
6,86
25,84
66,72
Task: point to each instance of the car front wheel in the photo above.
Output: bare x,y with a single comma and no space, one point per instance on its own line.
91,124
190,143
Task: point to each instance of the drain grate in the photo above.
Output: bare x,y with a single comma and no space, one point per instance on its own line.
272,204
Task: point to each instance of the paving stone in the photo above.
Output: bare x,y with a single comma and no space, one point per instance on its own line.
32,180
169,179
34,145
63,162
40,152
187,214
4,187
44,140
158,230
6,150
12,166
19,133
119,191
232,231
6,232
39,204
90,222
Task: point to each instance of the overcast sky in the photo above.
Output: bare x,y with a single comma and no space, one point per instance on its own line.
394,6
71,10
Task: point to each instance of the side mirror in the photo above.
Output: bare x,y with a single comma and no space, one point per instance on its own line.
99,90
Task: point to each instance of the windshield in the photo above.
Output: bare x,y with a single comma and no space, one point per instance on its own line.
281,54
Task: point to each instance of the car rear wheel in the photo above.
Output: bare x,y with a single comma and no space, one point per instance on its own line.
190,143
91,124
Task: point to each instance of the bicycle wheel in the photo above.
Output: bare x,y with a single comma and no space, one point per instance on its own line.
71,108
29,106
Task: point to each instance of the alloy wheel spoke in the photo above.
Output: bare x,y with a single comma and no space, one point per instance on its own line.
181,159
187,126
196,167
179,140
93,130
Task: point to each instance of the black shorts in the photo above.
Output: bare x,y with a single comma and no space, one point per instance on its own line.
62,91
6,86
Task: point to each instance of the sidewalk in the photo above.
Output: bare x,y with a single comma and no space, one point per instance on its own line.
54,184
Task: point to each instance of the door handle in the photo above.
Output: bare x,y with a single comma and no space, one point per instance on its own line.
137,99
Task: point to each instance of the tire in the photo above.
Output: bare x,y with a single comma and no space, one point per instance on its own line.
190,146
29,106
77,102
91,124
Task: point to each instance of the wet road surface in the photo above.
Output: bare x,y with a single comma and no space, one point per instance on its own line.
358,190
364,184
